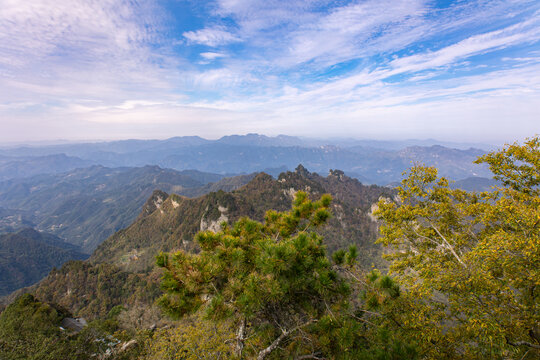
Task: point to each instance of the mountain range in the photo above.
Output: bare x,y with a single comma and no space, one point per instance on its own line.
121,270
169,222
377,162
125,201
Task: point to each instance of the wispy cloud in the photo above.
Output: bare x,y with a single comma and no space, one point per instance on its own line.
212,55
211,36
95,49
314,67
526,31
351,31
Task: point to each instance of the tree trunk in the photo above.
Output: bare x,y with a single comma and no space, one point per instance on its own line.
240,337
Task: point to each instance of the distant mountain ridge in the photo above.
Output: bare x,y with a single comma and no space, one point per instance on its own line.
12,167
379,162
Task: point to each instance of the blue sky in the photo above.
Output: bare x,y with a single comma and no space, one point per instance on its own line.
383,69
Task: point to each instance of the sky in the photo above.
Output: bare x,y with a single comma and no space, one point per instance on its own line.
369,69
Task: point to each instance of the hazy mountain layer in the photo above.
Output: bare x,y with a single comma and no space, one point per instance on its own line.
26,166
85,206
377,162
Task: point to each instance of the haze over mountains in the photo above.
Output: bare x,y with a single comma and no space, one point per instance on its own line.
379,162
86,205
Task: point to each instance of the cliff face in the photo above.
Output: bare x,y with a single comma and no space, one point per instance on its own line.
153,203
169,223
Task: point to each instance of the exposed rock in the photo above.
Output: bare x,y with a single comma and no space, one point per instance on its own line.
74,324
153,203
340,175
125,346
215,225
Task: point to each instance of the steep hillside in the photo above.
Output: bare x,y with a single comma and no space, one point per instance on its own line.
121,271
35,330
28,255
13,219
87,205
177,219
91,290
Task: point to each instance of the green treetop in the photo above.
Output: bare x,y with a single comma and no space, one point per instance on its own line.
273,279
470,262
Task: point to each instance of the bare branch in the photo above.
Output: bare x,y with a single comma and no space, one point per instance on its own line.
522,343
266,351
363,320
523,357
448,246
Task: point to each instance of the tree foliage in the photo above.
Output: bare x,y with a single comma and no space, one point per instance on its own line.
470,262
273,278
275,285
92,290
31,329
193,338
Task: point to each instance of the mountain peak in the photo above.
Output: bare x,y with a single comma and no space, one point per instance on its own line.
340,175
153,203
301,170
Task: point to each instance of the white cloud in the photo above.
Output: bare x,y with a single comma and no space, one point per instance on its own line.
211,36
75,29
256,17
105,49
350,31
215,78
527,31
293,34
212,55
272,76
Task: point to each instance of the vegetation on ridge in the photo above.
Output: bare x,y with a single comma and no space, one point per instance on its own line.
463,281
27,256
176,222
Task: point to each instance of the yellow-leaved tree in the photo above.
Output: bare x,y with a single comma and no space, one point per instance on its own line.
469,262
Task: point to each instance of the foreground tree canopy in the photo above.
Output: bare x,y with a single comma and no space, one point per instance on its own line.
275,285
463,282
470,261
271,276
